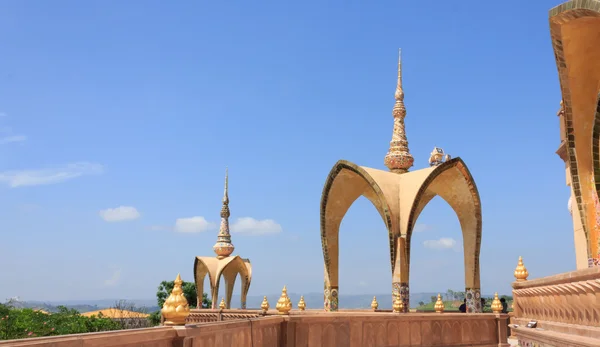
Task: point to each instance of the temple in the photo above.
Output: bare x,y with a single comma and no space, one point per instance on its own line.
223,265
399,196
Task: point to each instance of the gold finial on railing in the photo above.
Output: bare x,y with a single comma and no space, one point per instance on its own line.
439,304
374,304
397,305
176,309
222,304
284,304
521,273
265,305
302,304
496,304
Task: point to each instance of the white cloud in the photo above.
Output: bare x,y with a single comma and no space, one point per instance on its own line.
13,138
114,279
195,224
25,178
443,243
419,228
251,226
120,214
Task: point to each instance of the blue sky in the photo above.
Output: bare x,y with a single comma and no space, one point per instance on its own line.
143,104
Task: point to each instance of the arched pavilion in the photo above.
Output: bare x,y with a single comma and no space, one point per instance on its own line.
223,265
399,196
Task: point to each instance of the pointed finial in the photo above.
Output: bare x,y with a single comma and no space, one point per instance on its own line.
265,305
176,309
302,304
521,272
226,193
374,304
439,304
398,158
223,248
399,95
284,304
496,304
222,304
398,305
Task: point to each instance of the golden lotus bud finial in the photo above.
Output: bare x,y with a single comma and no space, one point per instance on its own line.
176,309
284,304
265,304
374,304
301,304
496,304
398,305
439,305
222,304
521,273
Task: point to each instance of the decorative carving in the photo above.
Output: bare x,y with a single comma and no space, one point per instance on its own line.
398,306
284,304
223,248
374,304
496,304
222,304
176,309
265,304
302,304
521,272
439,304
473,296
398,158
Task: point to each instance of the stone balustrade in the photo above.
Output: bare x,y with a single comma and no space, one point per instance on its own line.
566,308
305,329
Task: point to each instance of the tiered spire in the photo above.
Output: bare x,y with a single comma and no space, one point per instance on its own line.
398,159
223,248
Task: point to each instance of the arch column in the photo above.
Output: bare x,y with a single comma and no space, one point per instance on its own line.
400,285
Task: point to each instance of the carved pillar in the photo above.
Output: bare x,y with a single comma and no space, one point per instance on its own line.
331,298
473,296
400,274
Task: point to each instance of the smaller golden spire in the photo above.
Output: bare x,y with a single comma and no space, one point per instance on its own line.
265,304
496,304
301,303
398,305
439,305
222,304
284,304
521,273
374,304
176,309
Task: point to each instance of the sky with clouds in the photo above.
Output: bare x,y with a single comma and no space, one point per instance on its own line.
118,119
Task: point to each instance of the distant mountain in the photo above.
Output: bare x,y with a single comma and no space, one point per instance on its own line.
313,300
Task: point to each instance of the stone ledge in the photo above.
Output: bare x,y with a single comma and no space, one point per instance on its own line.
552,338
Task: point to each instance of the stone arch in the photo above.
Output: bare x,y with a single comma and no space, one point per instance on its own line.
579,169
228,268
453,182
346,183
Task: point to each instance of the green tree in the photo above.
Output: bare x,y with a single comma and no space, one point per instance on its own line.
189,291
421,303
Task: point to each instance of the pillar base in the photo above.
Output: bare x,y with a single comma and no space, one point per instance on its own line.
401,289
331,299
473,296
594,262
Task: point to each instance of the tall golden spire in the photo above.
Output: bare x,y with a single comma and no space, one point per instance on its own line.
223,248
398,158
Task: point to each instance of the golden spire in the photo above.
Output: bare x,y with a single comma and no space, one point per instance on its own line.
496,304
398,305
284,304
223,248
439,305
521,273
302,304
374,304
265,304
176,309
222,304
398,158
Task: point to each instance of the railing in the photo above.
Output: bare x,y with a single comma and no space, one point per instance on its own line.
572,298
